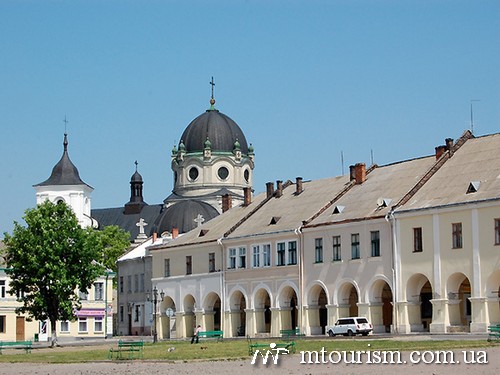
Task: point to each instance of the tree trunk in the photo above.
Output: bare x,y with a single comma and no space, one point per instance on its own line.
53,342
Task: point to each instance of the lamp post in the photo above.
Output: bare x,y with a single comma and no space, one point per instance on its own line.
155,302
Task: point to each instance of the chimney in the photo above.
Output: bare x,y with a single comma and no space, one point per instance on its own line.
247,196
352,173
269,189
298,185
360,173
449,145
440,150
227,202
155,237
279,188
175,232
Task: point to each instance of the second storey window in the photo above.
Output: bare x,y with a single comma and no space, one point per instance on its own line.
99,292
336,249
256,256
497,231
232,258
318,250
375,241
189,265
243,258
266,255
417,240
456,235
2,288
211,262
280,252
129,283
292,252
166,267
355,246
121,284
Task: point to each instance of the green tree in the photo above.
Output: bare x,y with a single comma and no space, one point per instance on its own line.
49,261
114,241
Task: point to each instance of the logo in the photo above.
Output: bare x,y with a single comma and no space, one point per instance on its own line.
273,352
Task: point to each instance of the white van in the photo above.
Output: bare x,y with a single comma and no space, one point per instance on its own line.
350,326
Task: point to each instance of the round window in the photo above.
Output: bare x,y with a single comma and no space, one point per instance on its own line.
246,175
193,173
223,173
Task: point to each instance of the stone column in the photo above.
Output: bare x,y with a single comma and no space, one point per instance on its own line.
480,317
333,314
260,324
250,326
440,315
276,321
403,321
375,316
312,324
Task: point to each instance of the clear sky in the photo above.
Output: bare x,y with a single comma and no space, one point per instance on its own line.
305,80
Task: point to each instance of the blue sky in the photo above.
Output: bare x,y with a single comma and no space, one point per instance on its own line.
305,80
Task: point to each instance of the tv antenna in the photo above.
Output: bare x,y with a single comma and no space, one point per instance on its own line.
472,114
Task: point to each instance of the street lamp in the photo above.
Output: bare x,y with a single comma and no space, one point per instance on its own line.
155,302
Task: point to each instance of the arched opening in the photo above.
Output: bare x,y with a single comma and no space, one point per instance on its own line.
167,318
419,295
348,300
381,306
459,306
317,313
288,308
262,311
493,297
189,316
212,307
237,305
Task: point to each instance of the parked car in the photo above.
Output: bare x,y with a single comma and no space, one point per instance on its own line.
350,326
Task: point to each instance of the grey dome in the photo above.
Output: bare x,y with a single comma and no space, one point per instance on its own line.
181,215
220,129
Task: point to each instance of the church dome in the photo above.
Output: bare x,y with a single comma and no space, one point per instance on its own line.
182,215
221,131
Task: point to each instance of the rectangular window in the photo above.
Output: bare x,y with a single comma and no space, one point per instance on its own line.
3,320
243,258
375,241
141,282
122,313
292,252
211,262
417,240
121,284
136,283
82,324
65,326
232,258
137,314
256,256
166,267
189,265
98,326
280,261
129,283
337,255
355,246
266,254
83,296
318,250
497,231
2,288
456,234
98,291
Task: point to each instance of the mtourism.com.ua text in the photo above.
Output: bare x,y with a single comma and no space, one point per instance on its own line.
394,357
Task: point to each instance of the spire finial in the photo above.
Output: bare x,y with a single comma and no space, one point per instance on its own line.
136,163
65,143
212,99
65,124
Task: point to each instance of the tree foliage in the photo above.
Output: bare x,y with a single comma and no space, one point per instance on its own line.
114,242
50,260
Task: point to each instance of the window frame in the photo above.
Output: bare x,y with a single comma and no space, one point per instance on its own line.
211,262
166,267
497,232
242,257
232,258
355,246
99,291
375,243
189,264
418,245
336,248
318,250
292,253
456,236
281,254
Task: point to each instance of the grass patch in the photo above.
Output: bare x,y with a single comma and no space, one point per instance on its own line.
227,349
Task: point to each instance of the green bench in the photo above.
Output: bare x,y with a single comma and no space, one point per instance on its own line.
26,345
219,335
287,333
134,349
494,332
254,346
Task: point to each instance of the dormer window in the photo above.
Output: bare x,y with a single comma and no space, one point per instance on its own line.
473,187
274,220
338,209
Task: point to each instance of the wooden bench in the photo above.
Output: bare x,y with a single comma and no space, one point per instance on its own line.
287,333
133,348
26,345
219,335
494,332
254,346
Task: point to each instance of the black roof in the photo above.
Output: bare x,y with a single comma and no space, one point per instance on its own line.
64,172
220,129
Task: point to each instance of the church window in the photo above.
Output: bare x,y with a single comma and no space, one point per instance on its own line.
337,254
292,252
456,234
193,173
355,246
318,253
246,175
223,173
280,261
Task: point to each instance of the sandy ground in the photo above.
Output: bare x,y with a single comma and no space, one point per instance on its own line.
289,364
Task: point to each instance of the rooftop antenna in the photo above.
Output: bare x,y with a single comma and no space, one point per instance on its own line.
65,124
472,115
342,161
371,155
